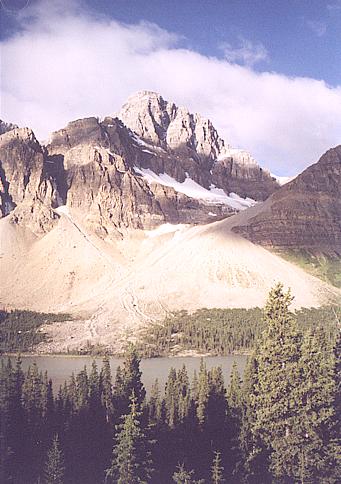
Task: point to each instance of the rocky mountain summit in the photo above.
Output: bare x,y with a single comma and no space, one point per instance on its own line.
155,164
111,222
305,213
196,146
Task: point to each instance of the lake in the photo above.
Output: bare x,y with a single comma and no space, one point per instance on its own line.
60,368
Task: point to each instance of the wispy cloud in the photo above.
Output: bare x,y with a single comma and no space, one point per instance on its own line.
318,27
245,53
67,63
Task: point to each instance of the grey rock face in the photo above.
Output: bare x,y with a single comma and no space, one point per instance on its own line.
305,213
26,191
92,166
95,176
4,127
173,128
193,146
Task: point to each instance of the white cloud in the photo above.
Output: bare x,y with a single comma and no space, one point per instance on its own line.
246,53
66,65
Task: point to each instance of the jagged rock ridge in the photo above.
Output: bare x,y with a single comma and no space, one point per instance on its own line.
194,147
102,170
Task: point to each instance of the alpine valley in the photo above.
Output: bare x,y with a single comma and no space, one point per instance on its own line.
122,221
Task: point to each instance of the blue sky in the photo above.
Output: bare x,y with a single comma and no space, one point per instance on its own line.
302,37
267,73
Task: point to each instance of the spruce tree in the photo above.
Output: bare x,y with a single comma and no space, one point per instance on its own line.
131,462
130,376
54,468
315,459
107,394
275,398
250,469
155,404
217,471
203,390
171,399
182,475
234,418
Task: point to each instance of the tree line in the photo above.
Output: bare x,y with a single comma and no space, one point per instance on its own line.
278,423
222,332
19,329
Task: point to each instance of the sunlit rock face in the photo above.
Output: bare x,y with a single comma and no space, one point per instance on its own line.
305,213
27,193
155,163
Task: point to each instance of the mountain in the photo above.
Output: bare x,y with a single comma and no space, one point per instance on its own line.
303,214
167,166
27,194
124,220
4,127
194,147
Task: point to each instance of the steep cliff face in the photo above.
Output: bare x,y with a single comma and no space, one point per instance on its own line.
95,164
305,213
163,124
194,147
27,193
157,164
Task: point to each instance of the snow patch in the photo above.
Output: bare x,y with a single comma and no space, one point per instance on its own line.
193,190
63,209
165,229
282,180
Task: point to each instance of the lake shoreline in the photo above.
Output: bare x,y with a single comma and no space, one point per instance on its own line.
60,368
183,354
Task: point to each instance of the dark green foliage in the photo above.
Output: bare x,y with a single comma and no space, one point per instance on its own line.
223,331
293,400
217,471
316,394
281,424
19,330
128,381
54,469
131,463
182,475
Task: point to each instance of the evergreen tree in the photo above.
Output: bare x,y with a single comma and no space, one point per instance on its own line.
183,394
128,380
131,459
250,469
182,475
54,469
276,398
202,393
317,390
217,471
234,419
171,396
155,404
107,394
82,389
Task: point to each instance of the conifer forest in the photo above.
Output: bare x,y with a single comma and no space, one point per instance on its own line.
279,422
